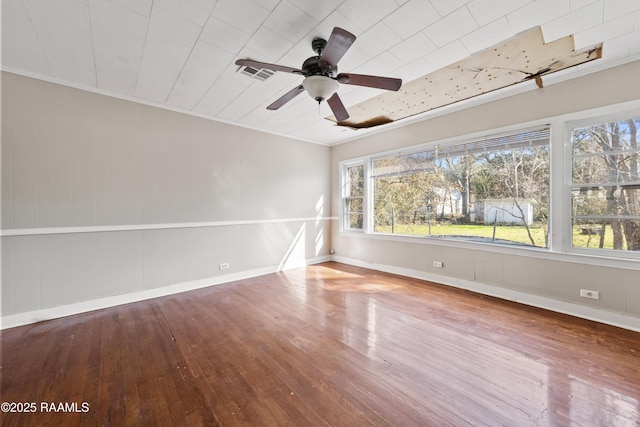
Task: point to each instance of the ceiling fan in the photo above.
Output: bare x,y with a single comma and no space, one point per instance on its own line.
321,76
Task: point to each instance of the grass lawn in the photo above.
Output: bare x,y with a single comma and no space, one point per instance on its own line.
593,240
512,233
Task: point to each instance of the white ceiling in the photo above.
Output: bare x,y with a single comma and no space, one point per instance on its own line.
180,53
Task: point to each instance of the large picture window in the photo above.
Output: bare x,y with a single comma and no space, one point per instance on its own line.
491,190
498,189
605,188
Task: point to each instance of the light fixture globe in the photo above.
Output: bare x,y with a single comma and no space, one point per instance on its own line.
320,87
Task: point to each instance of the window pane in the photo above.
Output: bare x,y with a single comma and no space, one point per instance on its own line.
623,167
356,188
353,197
354,181
356,173
606,138
612,201
498,195
605,194
605,234
592,201
606,218
353,206
353,213
355,221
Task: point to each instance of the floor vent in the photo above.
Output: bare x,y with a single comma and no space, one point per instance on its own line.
257,73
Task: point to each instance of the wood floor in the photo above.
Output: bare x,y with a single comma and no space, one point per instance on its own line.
326,345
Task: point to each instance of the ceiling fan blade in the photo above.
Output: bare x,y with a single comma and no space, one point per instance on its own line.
339,42
274,67
337,107
286,98
388,83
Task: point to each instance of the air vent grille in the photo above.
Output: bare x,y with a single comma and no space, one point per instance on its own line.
257,73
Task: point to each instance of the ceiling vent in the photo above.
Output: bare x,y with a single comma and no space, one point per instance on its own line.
257,73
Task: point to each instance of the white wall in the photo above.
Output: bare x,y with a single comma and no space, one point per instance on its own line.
539,277
103,197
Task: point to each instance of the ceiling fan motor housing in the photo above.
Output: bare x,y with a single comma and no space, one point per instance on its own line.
314,66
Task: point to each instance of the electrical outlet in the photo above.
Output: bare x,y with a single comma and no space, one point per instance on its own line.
224,266
438,264
586,293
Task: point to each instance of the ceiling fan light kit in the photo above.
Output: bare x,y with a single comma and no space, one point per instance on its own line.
320,88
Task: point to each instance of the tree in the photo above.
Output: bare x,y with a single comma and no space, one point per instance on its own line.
409,187
632,201
401,199
606,162
517,174
460,171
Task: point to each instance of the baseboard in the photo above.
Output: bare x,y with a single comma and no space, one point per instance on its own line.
589,313
35,316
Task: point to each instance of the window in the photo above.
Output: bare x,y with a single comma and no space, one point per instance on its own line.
605,186
353,197
498,189
490,190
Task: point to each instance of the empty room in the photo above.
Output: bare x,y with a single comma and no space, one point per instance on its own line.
320,213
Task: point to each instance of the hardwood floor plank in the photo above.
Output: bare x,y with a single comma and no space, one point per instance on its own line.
326,345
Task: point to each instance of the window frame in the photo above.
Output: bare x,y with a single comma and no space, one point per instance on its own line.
591,120
560,196
345,195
